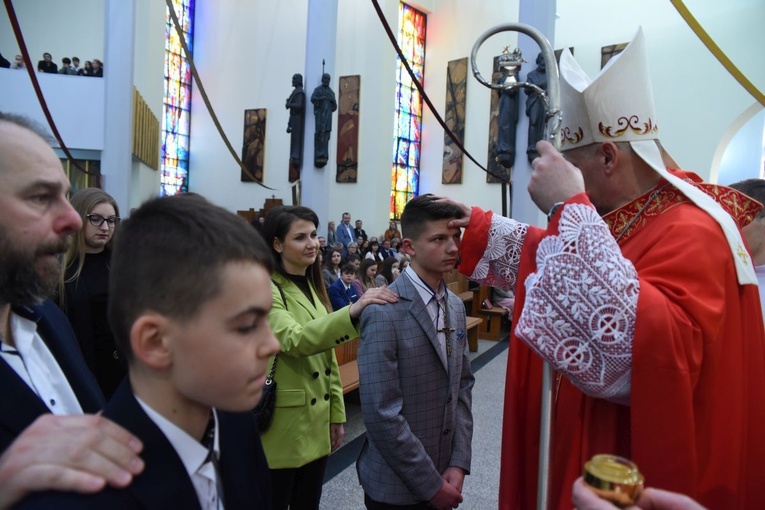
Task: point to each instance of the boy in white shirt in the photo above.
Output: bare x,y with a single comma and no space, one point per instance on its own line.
189,300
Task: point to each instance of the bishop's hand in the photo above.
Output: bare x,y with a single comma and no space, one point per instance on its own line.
554,179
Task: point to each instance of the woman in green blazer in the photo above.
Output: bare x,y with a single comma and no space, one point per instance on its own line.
309,416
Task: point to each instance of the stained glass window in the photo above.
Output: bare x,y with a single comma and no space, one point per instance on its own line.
405,171
177,103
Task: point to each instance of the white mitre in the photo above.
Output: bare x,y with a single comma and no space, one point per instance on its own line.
617,106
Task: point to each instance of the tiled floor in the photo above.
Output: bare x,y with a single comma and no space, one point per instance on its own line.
342,490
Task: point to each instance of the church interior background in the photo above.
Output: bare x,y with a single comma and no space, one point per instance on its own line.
246,53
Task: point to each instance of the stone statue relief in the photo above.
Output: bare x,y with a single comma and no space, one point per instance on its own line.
296,105
509,106
324,103
535,108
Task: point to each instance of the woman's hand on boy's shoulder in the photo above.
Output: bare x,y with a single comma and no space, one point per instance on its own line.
376,296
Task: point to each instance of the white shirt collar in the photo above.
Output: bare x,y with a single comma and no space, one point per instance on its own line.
423,289
192,453
432,306
38,367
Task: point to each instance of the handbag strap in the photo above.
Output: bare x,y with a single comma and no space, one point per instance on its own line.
276,358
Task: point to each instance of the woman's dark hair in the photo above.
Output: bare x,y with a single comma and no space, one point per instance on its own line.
277,225
328,259
387,269
361,274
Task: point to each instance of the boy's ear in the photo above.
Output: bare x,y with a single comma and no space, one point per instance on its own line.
407,247
149,340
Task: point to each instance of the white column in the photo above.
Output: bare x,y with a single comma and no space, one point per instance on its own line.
320,45
540,14
116,159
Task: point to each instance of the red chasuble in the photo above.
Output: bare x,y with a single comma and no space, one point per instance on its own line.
696,419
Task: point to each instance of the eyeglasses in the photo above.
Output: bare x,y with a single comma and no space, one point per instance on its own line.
97,220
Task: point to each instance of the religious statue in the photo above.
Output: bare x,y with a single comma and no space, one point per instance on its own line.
509,106
296,105
324,103
535,108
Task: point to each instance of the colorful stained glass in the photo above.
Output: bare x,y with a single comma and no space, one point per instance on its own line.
405,171
174,173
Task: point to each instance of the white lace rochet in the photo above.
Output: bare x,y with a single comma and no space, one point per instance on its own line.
580,306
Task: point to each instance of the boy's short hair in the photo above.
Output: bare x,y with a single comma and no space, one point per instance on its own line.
348,269
168,257
423,209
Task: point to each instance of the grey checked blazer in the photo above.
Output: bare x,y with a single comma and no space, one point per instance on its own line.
416,403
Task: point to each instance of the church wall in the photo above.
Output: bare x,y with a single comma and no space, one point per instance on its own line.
363,48
62,29
259,57
743,157
452,31
697,100
248,51
148,66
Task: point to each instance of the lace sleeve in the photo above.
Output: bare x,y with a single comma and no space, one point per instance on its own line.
580,307
498,267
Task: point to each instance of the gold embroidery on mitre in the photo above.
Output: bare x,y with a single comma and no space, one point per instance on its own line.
572,138
624,123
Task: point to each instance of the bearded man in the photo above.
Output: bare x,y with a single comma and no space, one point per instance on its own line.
46,440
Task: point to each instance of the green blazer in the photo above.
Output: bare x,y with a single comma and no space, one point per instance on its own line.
309,394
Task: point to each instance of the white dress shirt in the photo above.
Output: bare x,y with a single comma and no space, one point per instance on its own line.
194,457
35,364
435,303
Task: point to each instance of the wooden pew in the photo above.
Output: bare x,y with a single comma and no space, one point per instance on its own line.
491,327
472,324
459,284
347,355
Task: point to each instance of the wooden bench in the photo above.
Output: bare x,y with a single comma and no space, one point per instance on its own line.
349,375
491,327
472,324
459,284
347,354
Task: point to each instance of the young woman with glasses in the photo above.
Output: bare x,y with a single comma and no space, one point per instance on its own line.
84,287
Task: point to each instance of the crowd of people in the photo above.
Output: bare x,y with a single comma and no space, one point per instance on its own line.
364,261
640,293
69,66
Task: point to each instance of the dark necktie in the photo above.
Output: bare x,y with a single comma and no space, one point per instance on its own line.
208,441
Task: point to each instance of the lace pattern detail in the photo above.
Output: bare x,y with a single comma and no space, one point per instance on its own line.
580,307
499,265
